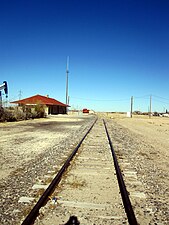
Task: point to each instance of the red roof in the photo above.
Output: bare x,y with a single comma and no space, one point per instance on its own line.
39,99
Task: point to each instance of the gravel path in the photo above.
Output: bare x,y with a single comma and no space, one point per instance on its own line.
32,151
90,188
30,162
138,153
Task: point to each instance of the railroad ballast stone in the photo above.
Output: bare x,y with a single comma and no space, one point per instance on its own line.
139,154
19,183
89,189
130,148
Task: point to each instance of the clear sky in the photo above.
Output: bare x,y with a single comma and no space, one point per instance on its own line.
117,49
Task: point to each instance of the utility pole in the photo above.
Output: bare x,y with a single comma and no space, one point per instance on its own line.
68,100
0,99
20,95
67,73
150,106
131,112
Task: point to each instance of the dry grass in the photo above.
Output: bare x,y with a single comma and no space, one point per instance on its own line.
75,182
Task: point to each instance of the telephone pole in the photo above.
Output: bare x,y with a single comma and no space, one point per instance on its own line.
68,100
131,112
0,99
150,106
67,73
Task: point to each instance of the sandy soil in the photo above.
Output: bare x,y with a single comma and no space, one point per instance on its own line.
24,140
144,142
141,145
29,151
154,130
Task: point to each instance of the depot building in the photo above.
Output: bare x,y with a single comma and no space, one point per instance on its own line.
51,105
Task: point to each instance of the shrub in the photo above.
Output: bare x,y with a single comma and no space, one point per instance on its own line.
1,112
18,113
40,111
6,115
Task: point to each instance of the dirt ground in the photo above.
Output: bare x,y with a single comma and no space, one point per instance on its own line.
154,130
24,140
30,150
143,143
147,138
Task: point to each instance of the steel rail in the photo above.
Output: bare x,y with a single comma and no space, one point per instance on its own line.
31,217
125,197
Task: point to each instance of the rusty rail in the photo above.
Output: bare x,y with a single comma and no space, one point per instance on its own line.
31,217
124,194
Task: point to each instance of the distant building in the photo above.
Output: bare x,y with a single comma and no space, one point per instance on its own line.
51,105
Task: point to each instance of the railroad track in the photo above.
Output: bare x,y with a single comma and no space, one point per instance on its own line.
89,185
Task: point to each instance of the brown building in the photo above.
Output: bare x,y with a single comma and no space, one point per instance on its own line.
51,105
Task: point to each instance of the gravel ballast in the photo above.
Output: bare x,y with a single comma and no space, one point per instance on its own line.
32,152
46,141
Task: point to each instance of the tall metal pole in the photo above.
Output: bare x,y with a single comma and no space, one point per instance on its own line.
150,106
67,73
0,99
131,112
68,100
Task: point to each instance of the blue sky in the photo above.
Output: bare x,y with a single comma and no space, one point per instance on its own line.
117,49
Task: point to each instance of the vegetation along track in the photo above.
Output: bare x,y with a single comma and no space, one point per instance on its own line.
89,189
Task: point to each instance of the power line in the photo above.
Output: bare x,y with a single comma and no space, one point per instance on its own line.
161,101
112,100
143,97
160,97
101,100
